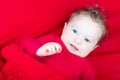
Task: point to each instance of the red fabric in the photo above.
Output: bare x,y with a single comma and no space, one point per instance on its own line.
33,18
72,66
20,66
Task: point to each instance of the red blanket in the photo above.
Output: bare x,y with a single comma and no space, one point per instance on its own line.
33,18
20,66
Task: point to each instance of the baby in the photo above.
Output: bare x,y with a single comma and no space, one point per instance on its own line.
81,35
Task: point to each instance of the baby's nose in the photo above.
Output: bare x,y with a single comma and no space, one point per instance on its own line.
77,40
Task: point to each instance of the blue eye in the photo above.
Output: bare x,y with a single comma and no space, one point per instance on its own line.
75,31
87,40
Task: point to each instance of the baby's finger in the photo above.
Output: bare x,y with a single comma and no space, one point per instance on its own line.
53,49
58,48
40,52
49,49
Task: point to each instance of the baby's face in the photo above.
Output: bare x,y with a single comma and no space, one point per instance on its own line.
81,35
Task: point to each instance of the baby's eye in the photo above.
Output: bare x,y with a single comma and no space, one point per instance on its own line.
87,40
74,30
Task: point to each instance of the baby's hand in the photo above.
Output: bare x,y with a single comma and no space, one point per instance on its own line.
49,49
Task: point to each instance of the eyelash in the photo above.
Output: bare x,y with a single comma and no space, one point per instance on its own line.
75,31
87,40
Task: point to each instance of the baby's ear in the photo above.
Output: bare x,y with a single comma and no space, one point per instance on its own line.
65,24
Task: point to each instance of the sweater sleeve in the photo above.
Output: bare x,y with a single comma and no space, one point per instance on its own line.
30,45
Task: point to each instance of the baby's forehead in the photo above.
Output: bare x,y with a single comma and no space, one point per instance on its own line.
82,20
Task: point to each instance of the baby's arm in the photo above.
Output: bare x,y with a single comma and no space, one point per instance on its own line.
49,48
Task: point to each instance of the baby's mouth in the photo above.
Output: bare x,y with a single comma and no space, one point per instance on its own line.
74,47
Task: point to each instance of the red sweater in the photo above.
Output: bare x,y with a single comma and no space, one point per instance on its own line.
72,66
